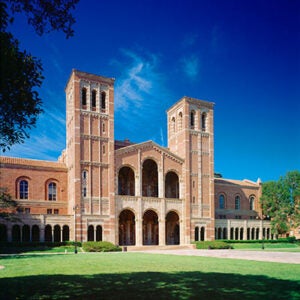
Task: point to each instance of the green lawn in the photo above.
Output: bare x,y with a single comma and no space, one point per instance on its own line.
144,276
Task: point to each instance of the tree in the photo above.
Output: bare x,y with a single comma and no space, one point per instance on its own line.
8,206
281,202
20,72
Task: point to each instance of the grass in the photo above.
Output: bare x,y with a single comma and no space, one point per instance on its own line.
144,276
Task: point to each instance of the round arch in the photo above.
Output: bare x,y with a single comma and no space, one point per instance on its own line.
126,181
35,233
126,228
150,227
150,178
171,185
172,228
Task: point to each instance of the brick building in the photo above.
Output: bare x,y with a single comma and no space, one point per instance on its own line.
126,193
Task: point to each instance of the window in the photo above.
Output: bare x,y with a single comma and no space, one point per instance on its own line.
52,191
238,217
103,127
23,189
221,202
203,121
103,149
27,210
49,211
84,178
103,100
192,119
180,121
173,125
83,98
251,202
56,211
94,93
237,203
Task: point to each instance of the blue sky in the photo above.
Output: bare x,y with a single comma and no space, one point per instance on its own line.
242,55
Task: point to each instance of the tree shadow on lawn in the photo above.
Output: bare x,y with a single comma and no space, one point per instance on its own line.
148,285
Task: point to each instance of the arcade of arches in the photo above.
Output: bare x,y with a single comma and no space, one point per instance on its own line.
49,233
150,228
150,185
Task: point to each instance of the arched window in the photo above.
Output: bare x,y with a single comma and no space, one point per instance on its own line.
251,203
126,184
173,129
221,201
237,203
150,178
171,185
203,121
192,120
99,233
83,98
52,191
94,94
23,189
90,233
180,121
84,179
103,101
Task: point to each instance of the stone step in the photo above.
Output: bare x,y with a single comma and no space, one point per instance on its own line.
156,247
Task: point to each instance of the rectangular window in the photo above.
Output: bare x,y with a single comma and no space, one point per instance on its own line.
27,210
56,211
49,211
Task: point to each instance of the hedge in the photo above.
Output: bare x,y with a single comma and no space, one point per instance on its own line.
279,240
100,247
212,245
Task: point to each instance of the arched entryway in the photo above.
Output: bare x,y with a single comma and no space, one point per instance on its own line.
16,233
65,233
35,233
57,233
48,233
172,228
150,228
25,233
126,228
3,233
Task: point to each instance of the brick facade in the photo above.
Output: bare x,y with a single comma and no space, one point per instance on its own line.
126,193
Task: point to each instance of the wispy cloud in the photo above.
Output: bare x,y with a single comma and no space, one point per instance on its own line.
140,97
191,66
46,141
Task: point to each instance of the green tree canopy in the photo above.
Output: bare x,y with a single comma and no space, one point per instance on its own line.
281,202
20,72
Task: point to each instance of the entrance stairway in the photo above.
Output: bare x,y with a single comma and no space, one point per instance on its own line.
156,247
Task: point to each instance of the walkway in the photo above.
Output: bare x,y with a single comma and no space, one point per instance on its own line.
282,257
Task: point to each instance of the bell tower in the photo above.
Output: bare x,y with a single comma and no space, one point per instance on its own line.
90,152
191,136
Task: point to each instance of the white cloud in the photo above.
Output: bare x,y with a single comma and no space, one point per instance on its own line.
137,80
191,66
140,97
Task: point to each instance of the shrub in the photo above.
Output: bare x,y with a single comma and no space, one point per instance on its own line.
100,247
212,245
